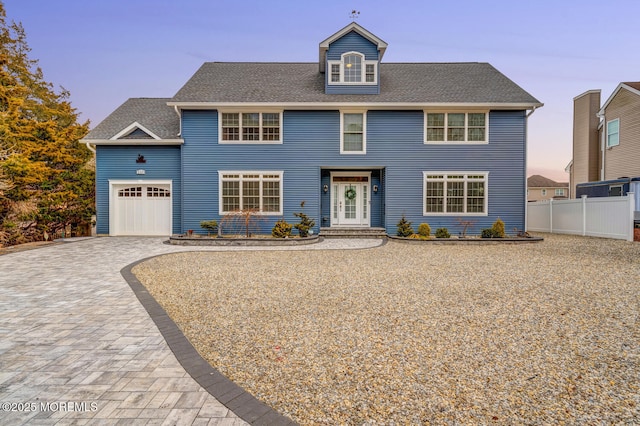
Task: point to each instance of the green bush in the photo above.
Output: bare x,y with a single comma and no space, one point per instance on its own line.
281,229
209,225
424,229
498,228
404,227
442,233
306,223
488,233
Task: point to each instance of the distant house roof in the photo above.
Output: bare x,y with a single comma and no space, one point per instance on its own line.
400,83
144,119
633,87
537,181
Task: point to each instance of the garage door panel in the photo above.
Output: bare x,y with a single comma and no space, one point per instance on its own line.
141,209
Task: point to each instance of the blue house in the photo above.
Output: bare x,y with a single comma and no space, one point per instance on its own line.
361,141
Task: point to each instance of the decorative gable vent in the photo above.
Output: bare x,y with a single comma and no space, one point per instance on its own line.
135,131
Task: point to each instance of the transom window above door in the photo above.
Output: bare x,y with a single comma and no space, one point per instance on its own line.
353,68
250,127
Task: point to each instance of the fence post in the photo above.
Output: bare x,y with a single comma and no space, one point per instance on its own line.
584,215
632,206
551,215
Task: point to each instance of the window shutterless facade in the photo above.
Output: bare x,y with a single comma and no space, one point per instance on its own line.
455,193
353,130
456,127
259,191
353,68
613,133
250,127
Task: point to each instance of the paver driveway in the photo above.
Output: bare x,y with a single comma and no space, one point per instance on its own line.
76,345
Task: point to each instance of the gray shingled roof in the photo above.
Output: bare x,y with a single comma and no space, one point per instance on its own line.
537,181
439,83
399,82
152,113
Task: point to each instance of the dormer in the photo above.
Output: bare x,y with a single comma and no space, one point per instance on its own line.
350,60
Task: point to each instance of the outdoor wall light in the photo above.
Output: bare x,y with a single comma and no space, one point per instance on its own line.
325,188
375,188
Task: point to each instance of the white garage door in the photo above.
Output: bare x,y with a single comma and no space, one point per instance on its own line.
141,209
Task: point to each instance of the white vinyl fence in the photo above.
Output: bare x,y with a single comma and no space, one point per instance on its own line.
607,217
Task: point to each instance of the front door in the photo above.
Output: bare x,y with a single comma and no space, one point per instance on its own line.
350,201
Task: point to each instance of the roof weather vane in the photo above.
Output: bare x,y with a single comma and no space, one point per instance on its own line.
354,15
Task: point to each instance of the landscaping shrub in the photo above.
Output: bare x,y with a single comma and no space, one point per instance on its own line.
442,233
306,223
281,229
424,229
209,225
404,227
489,233
498,228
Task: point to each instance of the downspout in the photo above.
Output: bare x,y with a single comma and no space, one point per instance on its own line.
175,107
603,148
526,185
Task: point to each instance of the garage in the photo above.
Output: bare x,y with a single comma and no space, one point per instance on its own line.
140,208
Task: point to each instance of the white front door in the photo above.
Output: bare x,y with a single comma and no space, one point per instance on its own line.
350,201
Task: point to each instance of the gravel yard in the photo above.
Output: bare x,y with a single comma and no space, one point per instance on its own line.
541,333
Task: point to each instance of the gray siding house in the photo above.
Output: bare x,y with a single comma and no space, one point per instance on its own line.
361,141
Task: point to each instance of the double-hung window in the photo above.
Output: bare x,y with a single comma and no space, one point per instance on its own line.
258,191
456,127
353,133
353,68
447,193
613,133
250,127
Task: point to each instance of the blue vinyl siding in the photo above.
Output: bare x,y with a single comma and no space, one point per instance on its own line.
119,162
396,157
352,42
201,159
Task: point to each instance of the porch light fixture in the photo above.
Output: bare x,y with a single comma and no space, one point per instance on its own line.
325,188
375,188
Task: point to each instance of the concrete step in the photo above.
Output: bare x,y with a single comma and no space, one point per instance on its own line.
353,232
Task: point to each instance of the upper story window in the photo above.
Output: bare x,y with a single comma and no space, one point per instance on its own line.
559,192
353,68
613,133
353,133
250,127
446,127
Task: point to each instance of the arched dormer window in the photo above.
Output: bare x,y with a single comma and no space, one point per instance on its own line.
353,68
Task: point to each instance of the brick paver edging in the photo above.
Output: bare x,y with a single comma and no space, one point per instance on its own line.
235,398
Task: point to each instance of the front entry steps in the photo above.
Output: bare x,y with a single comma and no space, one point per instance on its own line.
353,232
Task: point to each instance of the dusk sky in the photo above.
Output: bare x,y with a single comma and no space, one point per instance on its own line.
105,52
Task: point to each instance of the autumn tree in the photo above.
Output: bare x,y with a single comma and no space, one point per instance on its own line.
46,183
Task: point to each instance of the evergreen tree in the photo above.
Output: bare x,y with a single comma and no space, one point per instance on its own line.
46,182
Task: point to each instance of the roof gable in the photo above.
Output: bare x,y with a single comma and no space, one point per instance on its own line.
380,44
135,131
144,120
633,87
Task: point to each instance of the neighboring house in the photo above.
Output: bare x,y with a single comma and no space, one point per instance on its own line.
541,188
361,141
606,139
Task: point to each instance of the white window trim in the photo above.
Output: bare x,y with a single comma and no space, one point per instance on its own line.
486,193
609,145
280,173
363,81
466,127
249,111
559,192
364,132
